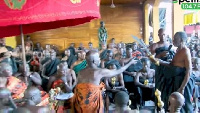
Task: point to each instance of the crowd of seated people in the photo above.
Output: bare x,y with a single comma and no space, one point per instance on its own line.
48,69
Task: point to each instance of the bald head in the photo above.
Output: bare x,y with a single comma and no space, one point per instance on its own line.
181,35
176,101
92,57
121,99
33,94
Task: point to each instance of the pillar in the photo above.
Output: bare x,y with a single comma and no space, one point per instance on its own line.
156,23
177,18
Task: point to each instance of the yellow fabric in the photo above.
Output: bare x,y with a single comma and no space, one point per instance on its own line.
192,18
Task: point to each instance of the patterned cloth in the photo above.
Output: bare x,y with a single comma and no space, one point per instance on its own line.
17,87
88,98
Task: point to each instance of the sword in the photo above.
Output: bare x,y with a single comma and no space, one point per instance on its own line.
141,42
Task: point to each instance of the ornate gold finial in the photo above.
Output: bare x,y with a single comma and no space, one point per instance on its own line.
146,82
160,102
113,80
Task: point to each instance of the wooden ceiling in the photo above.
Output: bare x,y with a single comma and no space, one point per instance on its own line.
108,2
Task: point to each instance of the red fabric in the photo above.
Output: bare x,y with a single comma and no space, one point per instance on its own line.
41,15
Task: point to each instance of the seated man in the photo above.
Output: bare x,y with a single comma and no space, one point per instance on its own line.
110,60
103,51
65,78
136,54
69,57
142,80
49,68
88,92
113,85
128,76
196,72
35,80
15,85
80,64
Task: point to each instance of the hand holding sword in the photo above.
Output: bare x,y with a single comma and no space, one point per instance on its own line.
151,57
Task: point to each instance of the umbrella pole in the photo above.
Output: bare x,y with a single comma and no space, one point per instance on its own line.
23,54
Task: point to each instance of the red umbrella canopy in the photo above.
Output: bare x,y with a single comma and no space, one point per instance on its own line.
36,15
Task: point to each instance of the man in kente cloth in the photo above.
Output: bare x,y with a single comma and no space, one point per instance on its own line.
69,57
128,76
65,78
113,85
161,49
110,59
88,93
49,68
80,64
144,80
34,80
177,75
15,85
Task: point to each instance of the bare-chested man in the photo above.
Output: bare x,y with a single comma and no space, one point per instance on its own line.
176,76
88,92
160,49
144,80
113,85
64,76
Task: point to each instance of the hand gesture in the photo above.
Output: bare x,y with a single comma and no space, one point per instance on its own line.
132,61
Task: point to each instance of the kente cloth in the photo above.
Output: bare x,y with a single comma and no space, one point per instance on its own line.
16,86
80,66
11,61
164,48
45,99
103,54
58,83
71,60
62,105
169,79
88,98
137,54
113,61
35,62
